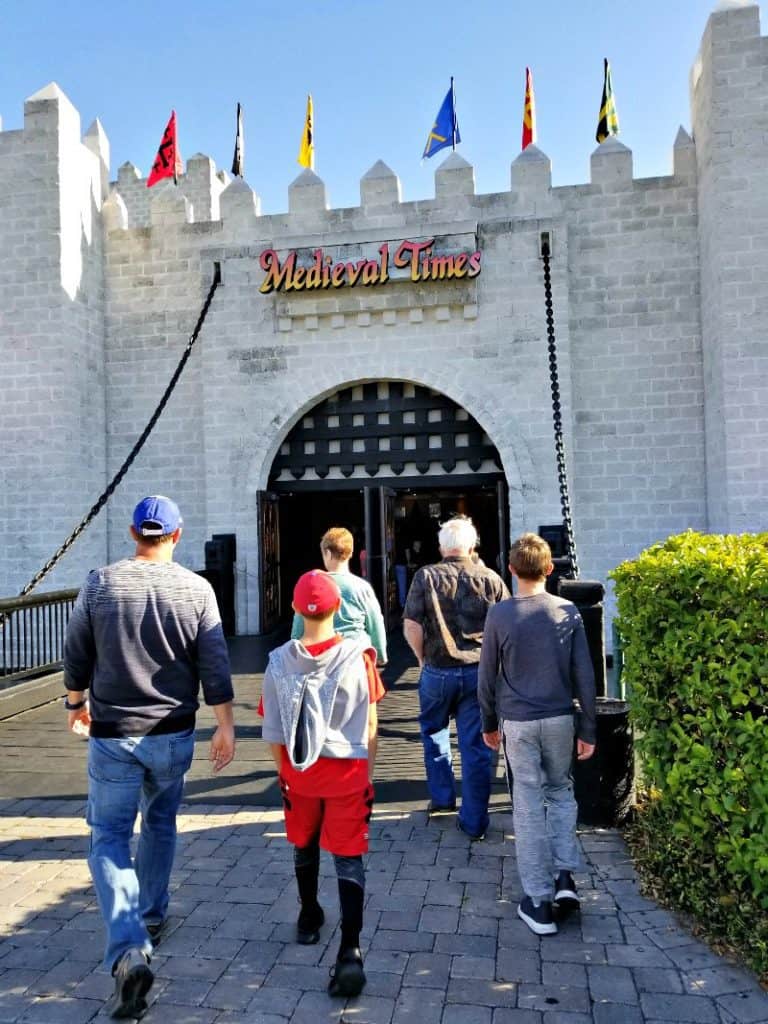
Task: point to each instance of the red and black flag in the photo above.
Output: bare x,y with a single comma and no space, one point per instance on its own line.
168,160
238,160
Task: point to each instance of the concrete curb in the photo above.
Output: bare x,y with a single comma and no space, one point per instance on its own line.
33,694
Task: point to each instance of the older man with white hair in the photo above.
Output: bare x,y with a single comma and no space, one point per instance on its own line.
443,624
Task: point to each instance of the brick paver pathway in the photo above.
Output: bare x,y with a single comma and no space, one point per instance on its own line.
441,939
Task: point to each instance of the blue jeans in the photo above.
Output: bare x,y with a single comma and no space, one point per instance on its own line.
126,775
539,757
446,692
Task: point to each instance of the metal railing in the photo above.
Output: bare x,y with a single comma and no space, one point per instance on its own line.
32,632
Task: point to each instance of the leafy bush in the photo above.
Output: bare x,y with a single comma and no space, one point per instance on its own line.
693,615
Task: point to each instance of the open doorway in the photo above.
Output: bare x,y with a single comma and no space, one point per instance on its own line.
304,518
395,531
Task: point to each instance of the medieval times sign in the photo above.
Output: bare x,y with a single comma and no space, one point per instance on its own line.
416,257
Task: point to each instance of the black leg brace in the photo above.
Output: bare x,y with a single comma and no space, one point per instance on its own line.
351,878
306,861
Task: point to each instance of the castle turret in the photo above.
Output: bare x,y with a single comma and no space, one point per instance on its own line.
729,93
51,295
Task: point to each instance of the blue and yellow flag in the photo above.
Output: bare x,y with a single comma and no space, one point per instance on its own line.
445,131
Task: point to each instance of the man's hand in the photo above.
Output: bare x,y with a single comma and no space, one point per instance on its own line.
414,637
584,750
222,747
492,739
79,722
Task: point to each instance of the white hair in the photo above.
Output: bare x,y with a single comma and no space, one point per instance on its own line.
457,535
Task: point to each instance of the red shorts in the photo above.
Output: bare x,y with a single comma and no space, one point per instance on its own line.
341,822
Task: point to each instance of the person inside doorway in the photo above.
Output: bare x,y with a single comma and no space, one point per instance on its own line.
443,624
414,559
359,613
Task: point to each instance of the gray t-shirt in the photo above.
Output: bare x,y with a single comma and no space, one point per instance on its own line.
537,649
142,637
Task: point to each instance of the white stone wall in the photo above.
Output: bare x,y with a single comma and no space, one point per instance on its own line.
729,100
52,463
154,294
638,455
660,302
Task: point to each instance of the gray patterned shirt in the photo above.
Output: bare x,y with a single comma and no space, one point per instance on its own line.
450,601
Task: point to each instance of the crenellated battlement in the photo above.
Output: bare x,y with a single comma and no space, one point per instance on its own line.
214,197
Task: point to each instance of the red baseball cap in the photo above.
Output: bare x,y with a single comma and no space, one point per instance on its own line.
315,593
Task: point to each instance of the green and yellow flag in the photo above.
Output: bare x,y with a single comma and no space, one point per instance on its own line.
307,149
608,121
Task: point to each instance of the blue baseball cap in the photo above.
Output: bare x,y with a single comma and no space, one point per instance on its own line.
156,516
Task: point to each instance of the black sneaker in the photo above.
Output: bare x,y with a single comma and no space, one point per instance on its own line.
133,979
539,919
308,926
155,931
566,896
475,838
433,808
347,976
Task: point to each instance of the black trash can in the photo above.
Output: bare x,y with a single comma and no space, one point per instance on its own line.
587,595
605,784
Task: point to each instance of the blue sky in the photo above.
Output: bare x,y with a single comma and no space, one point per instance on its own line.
377,70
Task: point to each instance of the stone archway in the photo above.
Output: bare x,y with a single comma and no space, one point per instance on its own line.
378,451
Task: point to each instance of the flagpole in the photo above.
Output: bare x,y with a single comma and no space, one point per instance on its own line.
453,118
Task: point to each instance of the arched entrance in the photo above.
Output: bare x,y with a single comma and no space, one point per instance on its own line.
389,460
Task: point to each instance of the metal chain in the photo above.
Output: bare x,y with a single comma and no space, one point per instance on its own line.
562,475
101,502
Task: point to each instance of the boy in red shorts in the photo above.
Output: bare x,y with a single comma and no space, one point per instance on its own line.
319,707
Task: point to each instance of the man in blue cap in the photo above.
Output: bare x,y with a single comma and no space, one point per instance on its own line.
143,635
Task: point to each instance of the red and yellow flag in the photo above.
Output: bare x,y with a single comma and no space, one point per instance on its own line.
168,160
306,155
529,111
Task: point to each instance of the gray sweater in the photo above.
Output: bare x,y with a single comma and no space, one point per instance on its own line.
143,636
537,648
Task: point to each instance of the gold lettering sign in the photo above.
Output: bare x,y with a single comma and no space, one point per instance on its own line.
416,257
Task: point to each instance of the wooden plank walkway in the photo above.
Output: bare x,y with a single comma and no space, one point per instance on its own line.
41,759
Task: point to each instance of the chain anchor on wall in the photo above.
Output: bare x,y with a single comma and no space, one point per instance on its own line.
557,417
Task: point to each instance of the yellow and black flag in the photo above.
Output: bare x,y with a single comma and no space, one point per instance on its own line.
307,149
608,121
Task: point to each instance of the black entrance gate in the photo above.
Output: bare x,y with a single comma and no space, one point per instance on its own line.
378,457
268,511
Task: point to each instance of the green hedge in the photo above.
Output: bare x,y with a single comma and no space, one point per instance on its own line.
693,616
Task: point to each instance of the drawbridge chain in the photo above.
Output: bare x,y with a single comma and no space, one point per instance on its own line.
102,500
557,418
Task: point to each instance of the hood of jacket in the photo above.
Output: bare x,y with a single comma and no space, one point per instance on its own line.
307,693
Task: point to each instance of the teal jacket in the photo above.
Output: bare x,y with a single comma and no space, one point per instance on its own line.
359,614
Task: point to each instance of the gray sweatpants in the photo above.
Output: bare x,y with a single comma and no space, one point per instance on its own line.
539,756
